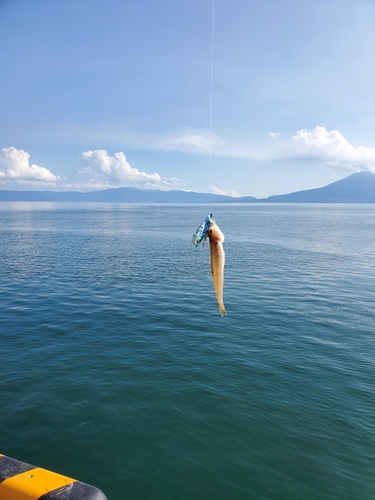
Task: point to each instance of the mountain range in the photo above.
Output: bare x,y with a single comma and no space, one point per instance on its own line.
357,188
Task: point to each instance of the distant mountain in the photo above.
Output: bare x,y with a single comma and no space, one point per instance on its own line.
119,195
357,188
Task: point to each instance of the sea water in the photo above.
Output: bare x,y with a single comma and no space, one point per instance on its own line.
117,369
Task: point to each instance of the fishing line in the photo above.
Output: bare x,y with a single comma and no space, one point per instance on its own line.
211,98
209,229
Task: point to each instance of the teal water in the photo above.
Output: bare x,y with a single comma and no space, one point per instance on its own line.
117,369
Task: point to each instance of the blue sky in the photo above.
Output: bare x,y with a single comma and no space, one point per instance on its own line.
109,93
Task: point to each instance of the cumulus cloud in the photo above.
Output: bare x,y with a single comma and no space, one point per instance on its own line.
114,171
15,167
320,145
332,148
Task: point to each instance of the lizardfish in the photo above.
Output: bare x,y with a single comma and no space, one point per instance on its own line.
216,238
210,229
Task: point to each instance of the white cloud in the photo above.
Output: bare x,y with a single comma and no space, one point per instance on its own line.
113,171
333,149
215,190
190,140
15,167
187,140
204,142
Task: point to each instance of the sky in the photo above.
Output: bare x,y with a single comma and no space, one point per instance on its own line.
278,97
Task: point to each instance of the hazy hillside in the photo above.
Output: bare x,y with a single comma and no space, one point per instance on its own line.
119,195
357,188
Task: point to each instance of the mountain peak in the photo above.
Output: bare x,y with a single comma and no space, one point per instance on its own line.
356,188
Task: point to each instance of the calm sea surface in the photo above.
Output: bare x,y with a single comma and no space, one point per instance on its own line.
117,369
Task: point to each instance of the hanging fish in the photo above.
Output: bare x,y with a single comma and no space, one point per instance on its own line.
216,238
210,229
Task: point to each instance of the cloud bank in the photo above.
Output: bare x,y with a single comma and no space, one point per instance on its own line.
318,144
15,167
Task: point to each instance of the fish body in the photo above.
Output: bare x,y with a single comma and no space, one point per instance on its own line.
216,238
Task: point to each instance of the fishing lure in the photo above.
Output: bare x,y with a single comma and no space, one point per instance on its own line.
201,233
210,229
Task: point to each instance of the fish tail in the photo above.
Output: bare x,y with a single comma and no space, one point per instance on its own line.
223,311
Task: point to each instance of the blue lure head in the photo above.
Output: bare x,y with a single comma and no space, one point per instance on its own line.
201,233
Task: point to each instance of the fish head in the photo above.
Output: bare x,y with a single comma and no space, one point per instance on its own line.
214,233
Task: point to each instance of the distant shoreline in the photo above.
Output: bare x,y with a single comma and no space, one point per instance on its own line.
357,188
